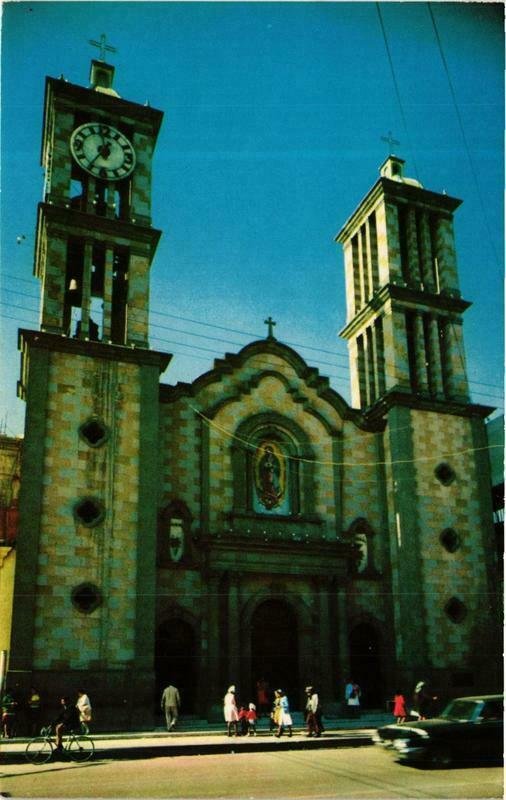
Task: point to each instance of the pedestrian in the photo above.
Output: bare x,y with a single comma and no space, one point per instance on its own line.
352,694
251,716
33,709
243,721
313,714
399,710
230,711
262,688
83,705
9,708
170,704
283,717
422,700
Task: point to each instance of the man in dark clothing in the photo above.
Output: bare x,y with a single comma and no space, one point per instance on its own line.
67,720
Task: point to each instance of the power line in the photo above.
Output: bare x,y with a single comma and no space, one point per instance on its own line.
169,342
397,90
463,132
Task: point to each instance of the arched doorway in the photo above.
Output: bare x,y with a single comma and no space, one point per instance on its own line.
365,664
175,662
274,648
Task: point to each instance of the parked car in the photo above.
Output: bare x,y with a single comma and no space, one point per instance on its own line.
469,729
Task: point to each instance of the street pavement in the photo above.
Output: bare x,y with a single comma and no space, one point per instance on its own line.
199,738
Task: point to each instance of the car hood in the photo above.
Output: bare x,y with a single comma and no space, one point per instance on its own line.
422,728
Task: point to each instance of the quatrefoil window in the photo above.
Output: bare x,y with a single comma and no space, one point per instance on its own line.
94,432
89,512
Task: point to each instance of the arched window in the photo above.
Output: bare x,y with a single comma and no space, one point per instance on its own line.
270,473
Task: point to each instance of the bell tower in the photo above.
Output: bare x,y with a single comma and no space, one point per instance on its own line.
404,333
84,591
94,240
404,327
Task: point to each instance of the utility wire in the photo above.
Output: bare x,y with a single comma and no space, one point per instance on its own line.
397,90
164,341
463,132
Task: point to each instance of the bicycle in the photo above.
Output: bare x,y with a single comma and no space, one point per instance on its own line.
78,747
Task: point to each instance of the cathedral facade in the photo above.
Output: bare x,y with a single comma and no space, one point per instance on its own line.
249,525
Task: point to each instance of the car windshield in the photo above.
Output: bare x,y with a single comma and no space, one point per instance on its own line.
463,710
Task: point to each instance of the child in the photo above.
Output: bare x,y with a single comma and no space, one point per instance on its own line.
399,710
243,721
251,716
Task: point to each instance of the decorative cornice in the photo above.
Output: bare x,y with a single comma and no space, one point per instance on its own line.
407,296
402,398
92,349
78,223
394,191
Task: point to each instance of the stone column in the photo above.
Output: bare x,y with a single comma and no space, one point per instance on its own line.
435,368
426,266
326,678
389,251
52,265
213,690
343,655
379,355
420,354
361,261
108,284
354,372
86,295
445,253
397,372
234,632
351,295
454,361
362,372
412,248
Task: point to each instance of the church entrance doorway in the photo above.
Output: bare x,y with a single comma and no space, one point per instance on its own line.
365,664
274,649
175,662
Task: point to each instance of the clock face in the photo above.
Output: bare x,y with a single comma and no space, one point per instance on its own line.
102,151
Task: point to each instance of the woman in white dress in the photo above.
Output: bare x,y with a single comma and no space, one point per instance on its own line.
230,711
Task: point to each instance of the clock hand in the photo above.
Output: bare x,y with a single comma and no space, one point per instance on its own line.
104,151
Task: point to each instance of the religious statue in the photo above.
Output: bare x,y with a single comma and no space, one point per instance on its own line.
270,475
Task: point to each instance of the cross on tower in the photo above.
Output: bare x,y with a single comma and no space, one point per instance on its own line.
102,46
390,140
270,322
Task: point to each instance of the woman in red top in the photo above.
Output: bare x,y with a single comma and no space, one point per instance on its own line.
400,707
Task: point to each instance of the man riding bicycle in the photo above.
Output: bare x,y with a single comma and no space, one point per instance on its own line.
67,720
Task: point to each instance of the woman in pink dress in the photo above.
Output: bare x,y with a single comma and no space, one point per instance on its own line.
230,711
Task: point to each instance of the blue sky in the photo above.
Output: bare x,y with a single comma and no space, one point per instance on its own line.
274,118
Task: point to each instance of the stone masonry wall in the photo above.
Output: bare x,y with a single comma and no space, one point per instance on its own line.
69,552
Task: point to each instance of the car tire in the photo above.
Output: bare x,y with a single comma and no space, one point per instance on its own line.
441,758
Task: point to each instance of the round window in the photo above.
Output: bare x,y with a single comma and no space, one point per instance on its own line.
445,474
455,610
450,540
86,597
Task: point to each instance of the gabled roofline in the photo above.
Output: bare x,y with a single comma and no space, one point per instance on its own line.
310,375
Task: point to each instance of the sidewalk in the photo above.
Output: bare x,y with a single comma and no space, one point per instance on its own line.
197,737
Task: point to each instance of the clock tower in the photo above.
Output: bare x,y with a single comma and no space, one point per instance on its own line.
83,609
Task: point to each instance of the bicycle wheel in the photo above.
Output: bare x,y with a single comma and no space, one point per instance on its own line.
39,750
81,748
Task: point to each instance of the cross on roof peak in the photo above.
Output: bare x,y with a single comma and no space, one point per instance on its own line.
390,140
270,323
102,46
